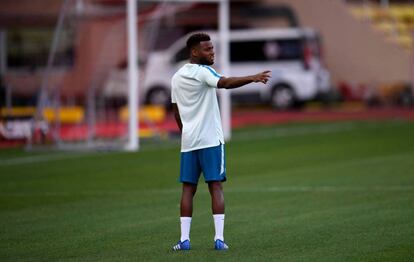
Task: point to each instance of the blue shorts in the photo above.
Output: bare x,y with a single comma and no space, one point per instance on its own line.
211,161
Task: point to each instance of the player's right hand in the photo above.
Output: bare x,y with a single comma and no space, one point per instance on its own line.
262,77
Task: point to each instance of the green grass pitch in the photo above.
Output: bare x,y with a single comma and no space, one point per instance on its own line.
297,192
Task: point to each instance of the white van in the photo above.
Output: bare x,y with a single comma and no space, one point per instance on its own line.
293,55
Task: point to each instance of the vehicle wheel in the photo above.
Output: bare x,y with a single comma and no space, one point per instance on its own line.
282,97
158,96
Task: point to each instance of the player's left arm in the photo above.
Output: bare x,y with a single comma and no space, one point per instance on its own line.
235,82
177,116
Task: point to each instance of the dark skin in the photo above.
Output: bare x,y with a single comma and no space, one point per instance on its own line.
203,53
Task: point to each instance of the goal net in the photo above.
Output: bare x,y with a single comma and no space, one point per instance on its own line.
86,104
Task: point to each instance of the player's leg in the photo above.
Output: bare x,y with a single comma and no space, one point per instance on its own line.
217,206
187,196
217,197
186,211
189,174
214,169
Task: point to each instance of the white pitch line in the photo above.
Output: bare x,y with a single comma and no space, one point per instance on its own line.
324,189
250,135
40,158
333,189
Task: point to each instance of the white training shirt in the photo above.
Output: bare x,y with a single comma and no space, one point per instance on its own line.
193,89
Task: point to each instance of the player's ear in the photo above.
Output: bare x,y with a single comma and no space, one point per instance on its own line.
194,51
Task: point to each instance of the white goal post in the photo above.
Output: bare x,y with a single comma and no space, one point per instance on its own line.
133,84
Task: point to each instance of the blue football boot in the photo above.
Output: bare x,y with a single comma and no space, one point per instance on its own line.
184,245
220,245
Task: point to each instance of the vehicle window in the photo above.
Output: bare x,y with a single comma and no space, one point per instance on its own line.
315,45
272,50
181,55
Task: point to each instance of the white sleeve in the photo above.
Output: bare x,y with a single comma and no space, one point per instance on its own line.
173,99
209,76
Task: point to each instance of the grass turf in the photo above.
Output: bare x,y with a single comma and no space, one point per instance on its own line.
314,192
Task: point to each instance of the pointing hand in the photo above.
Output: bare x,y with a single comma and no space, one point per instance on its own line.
262,77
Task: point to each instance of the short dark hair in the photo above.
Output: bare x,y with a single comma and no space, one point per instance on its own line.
196,38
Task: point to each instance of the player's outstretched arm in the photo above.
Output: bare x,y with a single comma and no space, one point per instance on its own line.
234,82
177,116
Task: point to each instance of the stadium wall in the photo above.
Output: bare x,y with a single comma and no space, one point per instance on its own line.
353,51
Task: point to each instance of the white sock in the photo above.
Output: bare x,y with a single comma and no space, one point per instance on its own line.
185,228
219,226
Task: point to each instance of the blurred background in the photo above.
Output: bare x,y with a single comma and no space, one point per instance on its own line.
320,161
63,65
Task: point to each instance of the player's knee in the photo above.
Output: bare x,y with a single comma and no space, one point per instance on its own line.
215,187
189,189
